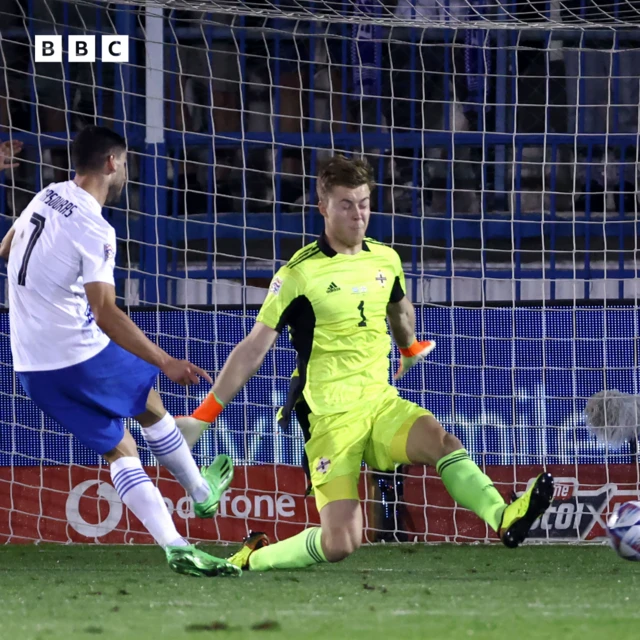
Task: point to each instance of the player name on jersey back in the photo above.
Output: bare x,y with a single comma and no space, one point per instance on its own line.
54,200
61,242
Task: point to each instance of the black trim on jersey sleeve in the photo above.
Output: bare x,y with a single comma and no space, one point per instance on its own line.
396,292
308,252
286,293
289,313
302,323
302,413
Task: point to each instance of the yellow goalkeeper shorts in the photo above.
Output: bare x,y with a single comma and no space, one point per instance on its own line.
376,433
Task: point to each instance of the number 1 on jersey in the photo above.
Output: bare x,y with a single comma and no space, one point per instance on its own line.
363,322
38,221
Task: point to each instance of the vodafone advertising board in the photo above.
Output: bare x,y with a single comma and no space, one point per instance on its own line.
79,504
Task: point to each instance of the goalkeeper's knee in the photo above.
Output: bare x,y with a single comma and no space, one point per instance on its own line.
339,544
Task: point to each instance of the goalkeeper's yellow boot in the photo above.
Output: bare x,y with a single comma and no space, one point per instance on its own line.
523,511
254,541
192,561
218,476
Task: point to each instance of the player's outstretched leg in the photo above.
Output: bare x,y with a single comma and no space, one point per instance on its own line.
168,445
340,535
143,499
474,490
470,487
429,443
297,552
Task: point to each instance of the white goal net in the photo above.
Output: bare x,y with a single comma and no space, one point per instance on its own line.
504,140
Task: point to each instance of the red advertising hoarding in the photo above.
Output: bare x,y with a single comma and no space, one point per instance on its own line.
79,504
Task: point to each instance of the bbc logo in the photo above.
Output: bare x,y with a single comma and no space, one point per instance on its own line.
82,48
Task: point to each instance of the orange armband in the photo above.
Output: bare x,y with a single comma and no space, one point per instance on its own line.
413,350
209,409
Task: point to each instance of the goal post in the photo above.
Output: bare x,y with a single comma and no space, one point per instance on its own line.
504,141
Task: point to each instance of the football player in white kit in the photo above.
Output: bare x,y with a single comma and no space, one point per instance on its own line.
84,362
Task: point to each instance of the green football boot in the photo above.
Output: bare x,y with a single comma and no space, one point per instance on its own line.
192,561
523,511
218,476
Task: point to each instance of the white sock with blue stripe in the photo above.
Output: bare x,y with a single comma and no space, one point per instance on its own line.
143,498
171,450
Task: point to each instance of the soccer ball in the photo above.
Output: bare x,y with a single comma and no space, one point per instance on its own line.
623,528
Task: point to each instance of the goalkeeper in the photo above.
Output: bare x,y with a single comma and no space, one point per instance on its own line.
335,295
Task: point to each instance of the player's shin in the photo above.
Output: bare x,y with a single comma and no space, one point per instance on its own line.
470,487
168,445
297,552
144,500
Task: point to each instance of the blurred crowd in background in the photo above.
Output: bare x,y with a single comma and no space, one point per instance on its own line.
227,75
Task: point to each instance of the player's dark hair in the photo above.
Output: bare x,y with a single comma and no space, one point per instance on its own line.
339,171
92,146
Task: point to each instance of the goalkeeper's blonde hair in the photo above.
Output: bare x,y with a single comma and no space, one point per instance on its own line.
340,171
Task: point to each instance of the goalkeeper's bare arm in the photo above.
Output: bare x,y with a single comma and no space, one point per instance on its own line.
402,321
244,362
241,365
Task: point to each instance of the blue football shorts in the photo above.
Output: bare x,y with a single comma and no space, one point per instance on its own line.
91,398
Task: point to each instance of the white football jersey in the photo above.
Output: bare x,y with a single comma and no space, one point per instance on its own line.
61,242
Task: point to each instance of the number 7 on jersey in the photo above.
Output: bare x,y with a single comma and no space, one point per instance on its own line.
38,221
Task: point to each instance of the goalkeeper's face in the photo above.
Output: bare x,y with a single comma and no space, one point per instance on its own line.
118,178
346,213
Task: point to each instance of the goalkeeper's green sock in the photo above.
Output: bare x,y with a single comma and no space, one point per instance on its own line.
471,488
297,552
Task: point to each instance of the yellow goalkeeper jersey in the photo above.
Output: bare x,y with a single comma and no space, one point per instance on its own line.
335,306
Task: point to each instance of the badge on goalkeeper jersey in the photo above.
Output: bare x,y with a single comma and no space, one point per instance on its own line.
276,284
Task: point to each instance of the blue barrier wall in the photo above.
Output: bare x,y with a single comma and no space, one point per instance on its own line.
510,382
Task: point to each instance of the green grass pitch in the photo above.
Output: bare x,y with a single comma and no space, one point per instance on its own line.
387,592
